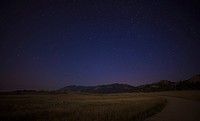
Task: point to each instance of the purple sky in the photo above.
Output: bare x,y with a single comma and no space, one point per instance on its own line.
50,44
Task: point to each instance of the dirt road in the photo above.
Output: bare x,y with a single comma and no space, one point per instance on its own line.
178,109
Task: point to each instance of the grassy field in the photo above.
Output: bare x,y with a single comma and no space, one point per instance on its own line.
191,95
78,107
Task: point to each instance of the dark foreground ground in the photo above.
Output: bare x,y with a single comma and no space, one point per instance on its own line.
178,109
100,107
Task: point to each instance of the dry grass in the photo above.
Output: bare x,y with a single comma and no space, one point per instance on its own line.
192,95
78,107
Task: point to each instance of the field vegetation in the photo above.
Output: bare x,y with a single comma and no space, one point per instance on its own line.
78,106
191,95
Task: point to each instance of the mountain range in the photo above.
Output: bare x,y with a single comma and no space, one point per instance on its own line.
163,85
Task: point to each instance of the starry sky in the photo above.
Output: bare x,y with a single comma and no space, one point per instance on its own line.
49,44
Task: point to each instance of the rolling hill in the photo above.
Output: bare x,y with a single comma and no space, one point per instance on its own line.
192,83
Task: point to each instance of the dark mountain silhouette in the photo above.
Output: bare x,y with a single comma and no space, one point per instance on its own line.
163,85
110,88
74,88
192,83
113,88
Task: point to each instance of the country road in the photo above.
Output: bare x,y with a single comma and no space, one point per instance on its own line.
178,109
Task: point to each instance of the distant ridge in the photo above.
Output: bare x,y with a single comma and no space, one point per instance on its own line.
110,88
192,83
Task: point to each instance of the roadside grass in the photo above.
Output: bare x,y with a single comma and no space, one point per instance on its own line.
79,107
154,110
191,95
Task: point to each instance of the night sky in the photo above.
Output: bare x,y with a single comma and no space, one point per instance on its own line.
49,44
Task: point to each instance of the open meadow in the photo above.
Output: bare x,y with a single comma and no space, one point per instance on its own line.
43,106
190,95
78,106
